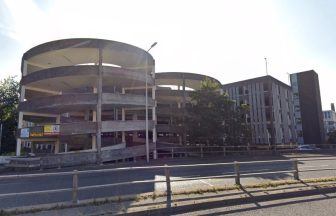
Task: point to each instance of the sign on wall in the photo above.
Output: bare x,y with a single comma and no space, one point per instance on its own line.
24,133
51,130
36,131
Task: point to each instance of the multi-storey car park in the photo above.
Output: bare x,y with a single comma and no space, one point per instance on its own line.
85,94
88,95
173,95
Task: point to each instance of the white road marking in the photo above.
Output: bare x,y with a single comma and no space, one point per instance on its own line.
206,183
325,165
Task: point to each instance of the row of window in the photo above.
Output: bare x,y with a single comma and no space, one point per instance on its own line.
329,115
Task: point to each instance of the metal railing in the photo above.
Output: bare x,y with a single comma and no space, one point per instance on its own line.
237,175
202,150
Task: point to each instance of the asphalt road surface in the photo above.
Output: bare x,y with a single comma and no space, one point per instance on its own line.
317,205
13,186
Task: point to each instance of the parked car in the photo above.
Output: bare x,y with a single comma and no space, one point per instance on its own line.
306,148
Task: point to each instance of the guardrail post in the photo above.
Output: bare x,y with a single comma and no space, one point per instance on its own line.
237,177
41,167
167,174
201,151
296,169
172,152
224,151
75,187
59,163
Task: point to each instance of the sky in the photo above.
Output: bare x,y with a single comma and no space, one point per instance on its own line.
225,39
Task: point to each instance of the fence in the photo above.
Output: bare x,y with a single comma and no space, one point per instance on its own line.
203,150
237,175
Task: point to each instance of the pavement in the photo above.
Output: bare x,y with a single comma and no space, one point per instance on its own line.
292,199
15,186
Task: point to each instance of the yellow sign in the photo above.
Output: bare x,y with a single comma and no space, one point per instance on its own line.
51,130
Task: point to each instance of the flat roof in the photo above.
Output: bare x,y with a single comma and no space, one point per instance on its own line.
257,79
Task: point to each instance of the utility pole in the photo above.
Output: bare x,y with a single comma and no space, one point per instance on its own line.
266,66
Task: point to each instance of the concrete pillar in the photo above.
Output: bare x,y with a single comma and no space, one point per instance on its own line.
115,110
184,136
87,118
20,120
155,121
135,133
94,119
18,141
116,134
87,115
123,118
57,143
99,102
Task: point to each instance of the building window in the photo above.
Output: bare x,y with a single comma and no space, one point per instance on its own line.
268,115
248,120
299,133
246,91
240,90
267,100
265,86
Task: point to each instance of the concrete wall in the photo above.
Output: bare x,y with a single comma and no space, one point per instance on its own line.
90,157
4,159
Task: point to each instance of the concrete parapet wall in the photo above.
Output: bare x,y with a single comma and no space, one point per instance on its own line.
69,159
4,159
130,152
90,156
134,125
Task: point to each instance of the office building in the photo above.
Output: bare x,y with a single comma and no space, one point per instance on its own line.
329,118
307,107
271,108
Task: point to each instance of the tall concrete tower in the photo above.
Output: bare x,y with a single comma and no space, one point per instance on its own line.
307,107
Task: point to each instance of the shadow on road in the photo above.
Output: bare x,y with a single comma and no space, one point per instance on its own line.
281,199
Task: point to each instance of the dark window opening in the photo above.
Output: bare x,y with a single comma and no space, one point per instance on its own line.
266,87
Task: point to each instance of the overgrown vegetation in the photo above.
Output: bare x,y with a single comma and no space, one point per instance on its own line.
332,137
9,99
212,118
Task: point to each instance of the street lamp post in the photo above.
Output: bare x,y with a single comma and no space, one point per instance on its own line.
266,66
146,106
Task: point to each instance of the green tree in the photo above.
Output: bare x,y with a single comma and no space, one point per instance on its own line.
236,129
332,137
9,99
213,118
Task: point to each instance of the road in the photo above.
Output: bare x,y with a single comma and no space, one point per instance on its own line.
317,205
46,183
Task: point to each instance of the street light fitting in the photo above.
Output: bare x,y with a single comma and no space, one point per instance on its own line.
153,45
